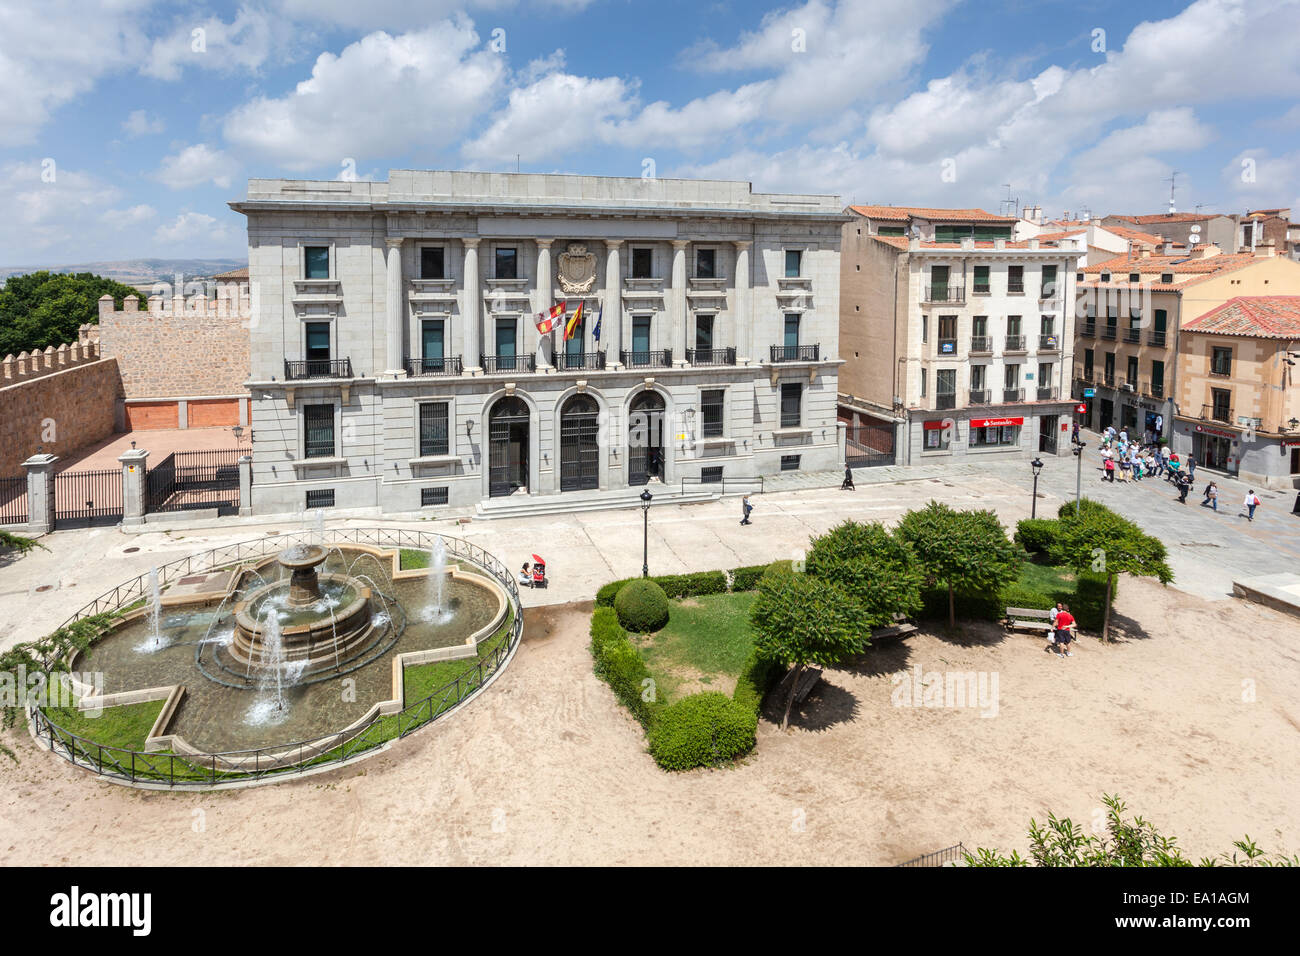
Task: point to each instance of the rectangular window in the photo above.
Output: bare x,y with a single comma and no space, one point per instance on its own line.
981,279
433,496
791,330
1011,376
1157,377
641,333
711,476
925,329
1049,281
431,341
977,377
433,429
789,462
642,263
320,498
889,231
1132,370
316,262
924,383
791,400
432,265
706,263
505,338
704,333
947,327
711,404
1087,363
1109,365
793,262
318,341
1013,325
995,436
980,326
507,262
1221,361
318,431
1162,320
936,436
1048,325
1221,400
1045,374
945,383
1015,279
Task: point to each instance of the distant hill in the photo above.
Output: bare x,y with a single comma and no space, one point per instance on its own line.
140,273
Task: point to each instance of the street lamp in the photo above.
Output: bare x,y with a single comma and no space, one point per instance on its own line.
1037,465
645,533
1079,446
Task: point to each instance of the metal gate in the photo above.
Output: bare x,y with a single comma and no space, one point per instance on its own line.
645,439
13,500
186,480
579,447
87,497
507,446
866,446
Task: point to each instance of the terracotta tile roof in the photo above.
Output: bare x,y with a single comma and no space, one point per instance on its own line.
903,213
902,242
1182,267
1263,316
233,274
1168,217
1058,236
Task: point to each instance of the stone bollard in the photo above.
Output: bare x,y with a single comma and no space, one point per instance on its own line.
40,493
245,485
134,486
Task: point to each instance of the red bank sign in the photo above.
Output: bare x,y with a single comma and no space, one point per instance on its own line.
994,422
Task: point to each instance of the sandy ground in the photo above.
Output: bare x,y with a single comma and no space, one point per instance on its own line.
547,768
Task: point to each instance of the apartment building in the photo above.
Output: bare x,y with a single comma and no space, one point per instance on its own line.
1101,242
1186,228
1131,310
1238,399
396,359
1271,225
956,333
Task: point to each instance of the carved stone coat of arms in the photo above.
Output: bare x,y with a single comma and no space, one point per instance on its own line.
577,269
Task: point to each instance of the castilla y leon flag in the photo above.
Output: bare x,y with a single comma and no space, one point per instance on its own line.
575,322
547,320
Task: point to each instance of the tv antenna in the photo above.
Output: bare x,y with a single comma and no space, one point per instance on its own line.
1172,181
1009,205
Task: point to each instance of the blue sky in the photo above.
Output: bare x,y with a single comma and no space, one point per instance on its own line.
126,126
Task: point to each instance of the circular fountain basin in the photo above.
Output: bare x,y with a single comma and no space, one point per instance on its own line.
333,629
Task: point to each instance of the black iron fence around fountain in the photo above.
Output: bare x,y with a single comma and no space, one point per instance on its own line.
209,769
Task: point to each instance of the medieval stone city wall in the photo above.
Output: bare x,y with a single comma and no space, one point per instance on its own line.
61,411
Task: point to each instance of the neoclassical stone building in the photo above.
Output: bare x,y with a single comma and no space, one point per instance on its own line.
396,361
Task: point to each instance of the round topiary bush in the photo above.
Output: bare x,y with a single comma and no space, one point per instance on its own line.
701,731
642,606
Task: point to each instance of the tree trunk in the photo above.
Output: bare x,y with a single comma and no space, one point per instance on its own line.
789,698
1105,627
952,608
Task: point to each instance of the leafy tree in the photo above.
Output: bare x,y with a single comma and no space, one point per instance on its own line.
879,569
1136,843
966,551
1103,542
801,620
43,308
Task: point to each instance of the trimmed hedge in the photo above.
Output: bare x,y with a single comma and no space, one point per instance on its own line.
758,677
619,665
972,607
1085,505
702,730
674,586
1036,535
746,578
1089,603
1017,595
642,606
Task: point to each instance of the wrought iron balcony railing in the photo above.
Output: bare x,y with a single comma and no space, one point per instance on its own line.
493,364
945,400
580,361
1049,343
981,344
1013,395
426,367
1217,413
317,368
1156,338
1089,329
711,356
1015,343
659,358
1108,332
945,293
980,396
1047,394
1133,336
796,353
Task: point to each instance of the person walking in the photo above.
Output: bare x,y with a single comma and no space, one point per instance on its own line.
1184,485
1191,467
847,484
1065,626
1109,465
1211,495
1074,434
745,509
1251,503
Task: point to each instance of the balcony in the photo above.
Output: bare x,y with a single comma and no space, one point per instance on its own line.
978,289
945,400
947,347
1133,336
1047,394
944,293
1085,376
1156,338
1010,395
796,353
1049,343
580,361
1221,372
981,396
1089,329
1015,343
424,368
1109,332
1015,287
1108,379
1216,413
494,364
981,345
701,357
1153,389
660,358
317,368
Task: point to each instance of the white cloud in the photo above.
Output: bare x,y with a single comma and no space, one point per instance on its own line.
190,226
382,95
196,165
133,216
242,45
404,15
141,123
44,215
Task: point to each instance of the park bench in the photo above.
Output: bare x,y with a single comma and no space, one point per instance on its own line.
807,681
900,628
1029,618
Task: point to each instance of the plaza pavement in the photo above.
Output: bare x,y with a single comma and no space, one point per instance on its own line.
585,550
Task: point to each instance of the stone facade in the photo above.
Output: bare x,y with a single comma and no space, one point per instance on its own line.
696,309
61,413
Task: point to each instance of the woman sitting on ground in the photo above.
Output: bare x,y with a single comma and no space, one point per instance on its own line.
526,576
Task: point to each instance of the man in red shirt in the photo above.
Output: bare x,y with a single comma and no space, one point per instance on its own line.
1065,628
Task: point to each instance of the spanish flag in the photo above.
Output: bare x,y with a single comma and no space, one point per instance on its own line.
546,321
575,322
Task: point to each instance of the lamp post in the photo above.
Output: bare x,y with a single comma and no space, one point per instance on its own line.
1037,465
1079,446
645,533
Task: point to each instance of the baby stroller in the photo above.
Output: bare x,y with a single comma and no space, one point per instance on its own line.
539,572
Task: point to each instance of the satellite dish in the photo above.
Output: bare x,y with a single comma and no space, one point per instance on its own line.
1196,228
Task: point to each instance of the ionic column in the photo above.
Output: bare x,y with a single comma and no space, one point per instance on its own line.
471,306
611,321
541,303
393,309
679,300
744,319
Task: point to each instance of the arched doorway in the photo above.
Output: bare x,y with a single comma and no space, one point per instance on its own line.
579,445
645,438
507,447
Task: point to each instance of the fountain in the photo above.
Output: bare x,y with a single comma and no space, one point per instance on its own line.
436,610
155,639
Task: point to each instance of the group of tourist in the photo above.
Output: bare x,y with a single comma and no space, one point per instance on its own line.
1135,461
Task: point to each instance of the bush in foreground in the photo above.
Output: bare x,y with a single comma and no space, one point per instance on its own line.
702,730
642,606
1036,535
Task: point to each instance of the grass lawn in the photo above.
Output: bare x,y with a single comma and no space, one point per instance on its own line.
703,647
1049,579
126,726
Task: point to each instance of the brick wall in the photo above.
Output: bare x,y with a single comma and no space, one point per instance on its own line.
63,412
177,348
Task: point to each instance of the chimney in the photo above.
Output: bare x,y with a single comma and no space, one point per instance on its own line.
1267,249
